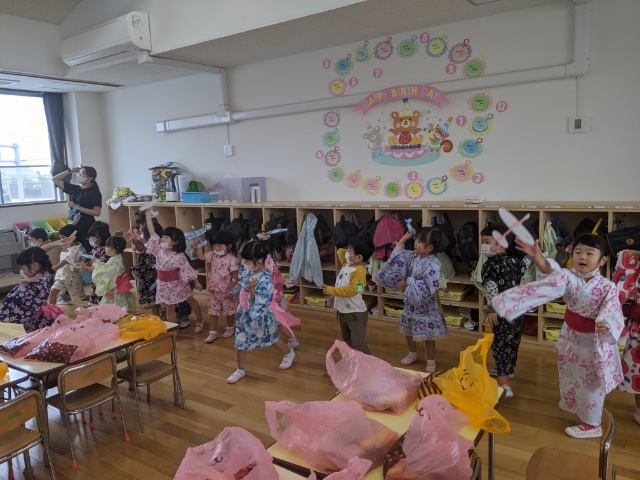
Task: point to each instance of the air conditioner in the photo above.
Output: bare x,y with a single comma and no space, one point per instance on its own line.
119,36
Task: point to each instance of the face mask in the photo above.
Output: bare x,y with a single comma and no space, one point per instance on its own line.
93,243
486,250
220,253
347,257
82,179
584,276
166,246
23,275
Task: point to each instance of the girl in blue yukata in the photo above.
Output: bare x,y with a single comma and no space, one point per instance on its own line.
256,326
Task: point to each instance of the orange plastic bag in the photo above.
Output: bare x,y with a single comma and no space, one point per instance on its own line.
469,388
143,327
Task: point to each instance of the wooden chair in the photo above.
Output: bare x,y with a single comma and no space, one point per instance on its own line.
145,368
16,438
79,389
553,464
476,466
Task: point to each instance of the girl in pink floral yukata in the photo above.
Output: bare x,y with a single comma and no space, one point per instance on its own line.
174,271
587,349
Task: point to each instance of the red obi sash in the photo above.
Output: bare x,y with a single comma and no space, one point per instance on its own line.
578,323
169,275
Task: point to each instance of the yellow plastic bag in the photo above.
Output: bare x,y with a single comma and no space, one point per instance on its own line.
142,327
4,368
469,388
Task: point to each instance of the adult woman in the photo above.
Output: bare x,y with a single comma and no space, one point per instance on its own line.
86,197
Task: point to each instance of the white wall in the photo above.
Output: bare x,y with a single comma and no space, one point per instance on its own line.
528,156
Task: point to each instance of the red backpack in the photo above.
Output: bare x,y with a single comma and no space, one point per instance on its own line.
388,231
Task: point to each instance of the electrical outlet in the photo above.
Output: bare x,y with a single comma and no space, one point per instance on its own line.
228,150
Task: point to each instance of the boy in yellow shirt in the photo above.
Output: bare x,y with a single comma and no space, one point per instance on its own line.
350,284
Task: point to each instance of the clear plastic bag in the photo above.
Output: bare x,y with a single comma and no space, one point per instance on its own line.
234,454
370,381
329,434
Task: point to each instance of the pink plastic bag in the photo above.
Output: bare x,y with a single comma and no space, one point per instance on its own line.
18,347
372,382
328,434
432,448
356,469
234,454
107,312
75,342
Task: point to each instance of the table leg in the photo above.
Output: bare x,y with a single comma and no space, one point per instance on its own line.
491,466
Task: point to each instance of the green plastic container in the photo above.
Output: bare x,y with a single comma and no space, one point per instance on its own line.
44,225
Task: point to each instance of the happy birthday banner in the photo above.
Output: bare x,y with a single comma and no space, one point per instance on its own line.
424,92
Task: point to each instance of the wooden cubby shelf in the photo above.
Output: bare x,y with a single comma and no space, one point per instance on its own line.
188,215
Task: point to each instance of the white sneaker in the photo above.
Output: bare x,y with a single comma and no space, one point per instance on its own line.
431,366
508,391
184,324
236,376
199,327
494,373
211,337
229,332
409,358
287,360
293,343
579,432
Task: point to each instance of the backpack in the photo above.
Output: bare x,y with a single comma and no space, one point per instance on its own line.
252,227
343,232
291,235
368,229
214,225
388,231
467,242
443,224
236,227
323,232
561,233
589,226
277,241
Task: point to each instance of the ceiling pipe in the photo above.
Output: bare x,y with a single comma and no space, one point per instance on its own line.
576,68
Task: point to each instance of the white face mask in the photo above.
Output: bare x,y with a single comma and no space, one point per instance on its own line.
220,253
166,246
584,276
93,243
82,179
347,258
23,275
251,268
486,250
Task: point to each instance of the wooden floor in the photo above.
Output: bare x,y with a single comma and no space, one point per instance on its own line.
212,404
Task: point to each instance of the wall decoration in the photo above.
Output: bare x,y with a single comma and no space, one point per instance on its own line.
479,102
437,46
337,87
372,185
408,48
401,131
332,138
354,179
470,148
475,67
462,172
384,49
363,53
332,118
460,52
481,125
437,186
333,157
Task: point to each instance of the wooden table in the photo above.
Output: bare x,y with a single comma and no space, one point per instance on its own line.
397,423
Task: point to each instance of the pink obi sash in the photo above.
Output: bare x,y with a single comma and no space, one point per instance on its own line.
244,298
169,275
578,323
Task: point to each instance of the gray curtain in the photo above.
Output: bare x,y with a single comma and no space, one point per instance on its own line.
54,111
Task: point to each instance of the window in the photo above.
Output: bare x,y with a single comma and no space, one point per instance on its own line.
25,154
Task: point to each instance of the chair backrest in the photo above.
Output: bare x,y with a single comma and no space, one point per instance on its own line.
608,431
476,466
144,352
16,412
86,373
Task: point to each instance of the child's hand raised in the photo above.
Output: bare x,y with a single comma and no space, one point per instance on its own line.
531,250
262,236
405,238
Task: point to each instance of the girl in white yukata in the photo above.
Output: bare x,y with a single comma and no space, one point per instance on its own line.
68,278
587,349
110,279
174,271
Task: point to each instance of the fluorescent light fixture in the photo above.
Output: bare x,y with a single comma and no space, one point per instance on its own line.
475,3
61,86
6,81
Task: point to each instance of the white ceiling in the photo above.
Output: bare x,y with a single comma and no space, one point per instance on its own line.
370,19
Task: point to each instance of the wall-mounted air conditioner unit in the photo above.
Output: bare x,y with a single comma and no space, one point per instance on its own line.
119,36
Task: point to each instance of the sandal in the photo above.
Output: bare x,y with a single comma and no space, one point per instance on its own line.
409,358
199,326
